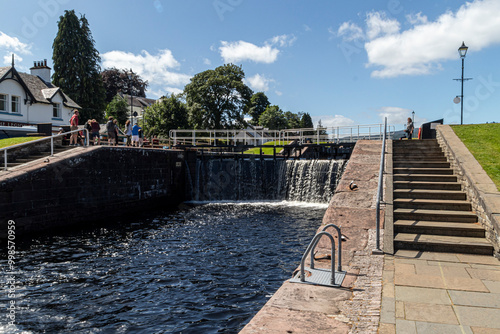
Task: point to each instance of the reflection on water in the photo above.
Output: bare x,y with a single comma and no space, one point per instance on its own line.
205,270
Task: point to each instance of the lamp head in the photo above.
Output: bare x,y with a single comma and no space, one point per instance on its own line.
462,51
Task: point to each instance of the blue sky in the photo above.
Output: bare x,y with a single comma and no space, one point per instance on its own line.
344,62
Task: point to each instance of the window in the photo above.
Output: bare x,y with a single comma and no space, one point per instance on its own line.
15,103
56,110
3,102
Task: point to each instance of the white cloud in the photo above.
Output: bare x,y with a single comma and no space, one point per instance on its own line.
331,121
395,115
348,31
258,83
420,49
277,92
283,40
13,45
306,27
234,52
157,69
207,61
7,59
378,24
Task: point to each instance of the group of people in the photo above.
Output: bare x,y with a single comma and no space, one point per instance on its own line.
133,134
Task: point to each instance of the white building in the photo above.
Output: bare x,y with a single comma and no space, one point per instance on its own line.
27,99
138,105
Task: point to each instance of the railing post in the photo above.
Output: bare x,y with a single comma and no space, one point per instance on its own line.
5,159
379,193
51,146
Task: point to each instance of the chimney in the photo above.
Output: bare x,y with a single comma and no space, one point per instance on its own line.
41,69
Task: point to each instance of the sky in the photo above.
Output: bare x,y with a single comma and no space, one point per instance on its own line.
343,62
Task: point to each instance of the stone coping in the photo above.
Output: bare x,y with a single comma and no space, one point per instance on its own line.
488,196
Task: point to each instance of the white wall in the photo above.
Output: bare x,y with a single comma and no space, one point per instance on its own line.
31,114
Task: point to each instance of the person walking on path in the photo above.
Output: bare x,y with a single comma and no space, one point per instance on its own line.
409,128
128,132
73,122
135,135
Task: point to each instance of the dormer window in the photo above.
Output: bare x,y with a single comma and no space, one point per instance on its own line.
56,110
3,102
15,104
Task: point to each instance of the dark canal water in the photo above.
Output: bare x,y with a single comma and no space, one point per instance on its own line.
208,269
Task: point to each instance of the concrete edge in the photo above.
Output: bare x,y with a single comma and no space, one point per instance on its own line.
485,190
388,218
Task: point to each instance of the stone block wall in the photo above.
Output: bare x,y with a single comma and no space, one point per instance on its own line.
88,185
481,191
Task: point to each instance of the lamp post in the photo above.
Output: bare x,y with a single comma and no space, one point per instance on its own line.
462,51
413,117
129,75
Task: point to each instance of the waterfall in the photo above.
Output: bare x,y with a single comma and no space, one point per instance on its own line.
266,180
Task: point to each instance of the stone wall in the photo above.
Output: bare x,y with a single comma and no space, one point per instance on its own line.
480,189
89,184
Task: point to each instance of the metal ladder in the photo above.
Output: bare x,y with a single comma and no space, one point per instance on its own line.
324,277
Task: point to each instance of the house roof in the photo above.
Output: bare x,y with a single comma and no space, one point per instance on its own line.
39,90
137,101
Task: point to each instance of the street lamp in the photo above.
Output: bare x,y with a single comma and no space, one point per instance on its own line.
413,117
129,75
462,51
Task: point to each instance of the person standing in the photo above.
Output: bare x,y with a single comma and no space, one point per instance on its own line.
95,132
128,132
73,122
110,128
88,133
135,135
409,128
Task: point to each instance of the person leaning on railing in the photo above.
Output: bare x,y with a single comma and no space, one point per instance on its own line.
73,122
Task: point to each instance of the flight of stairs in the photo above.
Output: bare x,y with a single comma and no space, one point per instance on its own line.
431,212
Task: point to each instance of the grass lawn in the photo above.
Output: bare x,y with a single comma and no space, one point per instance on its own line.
17,140
483,141
265,150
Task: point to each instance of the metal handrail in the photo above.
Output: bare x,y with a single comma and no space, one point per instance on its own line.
339,254
309,249
380,189
5,149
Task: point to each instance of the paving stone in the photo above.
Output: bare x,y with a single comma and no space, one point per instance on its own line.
442,314
480,299
433,328
478,316
446,271
448,264
465,284
482,330
388,311
387,329
400,310
388,290
405,327
490,275
419,281
437,256
422,295
494,287
484,266
482,259
403,268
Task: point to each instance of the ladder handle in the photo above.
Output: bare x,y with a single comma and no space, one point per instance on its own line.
309,248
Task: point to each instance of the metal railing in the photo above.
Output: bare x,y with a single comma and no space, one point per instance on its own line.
336,135
51,138
380,191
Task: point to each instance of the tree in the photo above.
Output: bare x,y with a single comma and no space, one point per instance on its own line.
258,104
306,121
321,128
118,108
217,98
116,81
292,120
76,65
166,114
273,118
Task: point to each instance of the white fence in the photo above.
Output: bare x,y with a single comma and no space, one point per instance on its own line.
339,134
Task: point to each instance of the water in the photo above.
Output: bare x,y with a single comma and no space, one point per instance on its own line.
208,269
312,181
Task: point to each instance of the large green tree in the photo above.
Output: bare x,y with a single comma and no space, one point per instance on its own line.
306,121
292,120
273,118
76,65
217,98
118,81
258,104
166,114
118,108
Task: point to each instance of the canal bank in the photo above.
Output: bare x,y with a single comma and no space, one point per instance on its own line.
355,306
73,188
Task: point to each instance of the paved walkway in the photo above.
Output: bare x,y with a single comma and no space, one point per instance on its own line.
426,292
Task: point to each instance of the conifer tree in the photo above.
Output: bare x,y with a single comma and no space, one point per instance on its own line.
76,66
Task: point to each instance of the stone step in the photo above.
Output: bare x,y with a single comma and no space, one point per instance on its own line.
398,159
413,153
427,185
432,204
429,194
439,228
420,164
415,142
434,171
435,215
425,177
442,243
